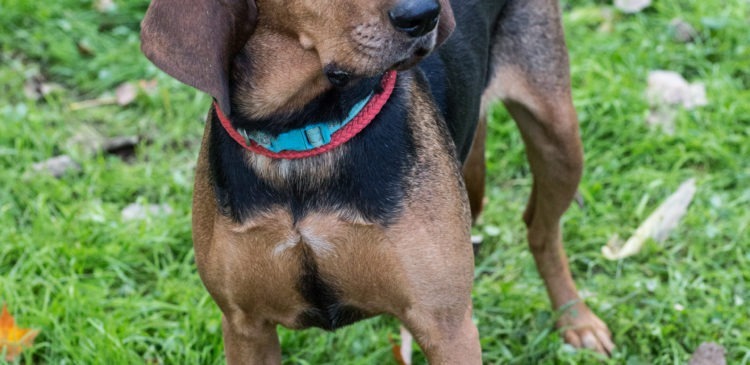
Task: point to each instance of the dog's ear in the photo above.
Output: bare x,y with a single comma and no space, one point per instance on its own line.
447,22
195,41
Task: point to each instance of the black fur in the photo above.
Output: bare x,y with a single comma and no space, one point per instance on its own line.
370,178
326,311
459,71
333,105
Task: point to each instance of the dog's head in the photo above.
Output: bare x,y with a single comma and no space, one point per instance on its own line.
285,52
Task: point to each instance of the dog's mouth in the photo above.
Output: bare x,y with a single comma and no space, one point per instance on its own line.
411,61
341,76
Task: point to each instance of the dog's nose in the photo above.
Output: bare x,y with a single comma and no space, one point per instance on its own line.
415,17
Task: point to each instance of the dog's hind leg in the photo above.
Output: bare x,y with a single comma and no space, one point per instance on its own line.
531,76
474,169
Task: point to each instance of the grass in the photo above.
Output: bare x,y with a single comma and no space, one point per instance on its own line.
108,291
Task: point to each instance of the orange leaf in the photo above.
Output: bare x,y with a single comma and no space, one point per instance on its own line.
396,350
13,339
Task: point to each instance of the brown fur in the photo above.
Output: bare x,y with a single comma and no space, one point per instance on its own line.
420,268
251,268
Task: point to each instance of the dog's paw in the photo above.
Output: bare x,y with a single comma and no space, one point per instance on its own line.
583,329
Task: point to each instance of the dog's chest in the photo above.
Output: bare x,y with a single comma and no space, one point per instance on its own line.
367,175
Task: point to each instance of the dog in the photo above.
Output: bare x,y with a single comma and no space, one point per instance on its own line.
342,162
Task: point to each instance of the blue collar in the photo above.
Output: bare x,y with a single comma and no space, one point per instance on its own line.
306,138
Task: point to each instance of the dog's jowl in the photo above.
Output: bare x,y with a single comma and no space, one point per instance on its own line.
343,159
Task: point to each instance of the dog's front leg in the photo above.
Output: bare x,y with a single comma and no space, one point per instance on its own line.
251,345
446,337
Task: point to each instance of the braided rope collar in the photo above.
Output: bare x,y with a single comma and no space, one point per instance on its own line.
314,139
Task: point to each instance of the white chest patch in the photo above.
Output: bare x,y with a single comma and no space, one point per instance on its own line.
319,245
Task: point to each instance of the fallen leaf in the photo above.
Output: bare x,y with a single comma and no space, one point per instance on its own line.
36,87
137,211
57,166
632,6
93,103
406,341
13,340
670,88
122,146
667,92
126,93
708,353
603,17
682,31
84,48
148,86
105,6
402,352
657,226
86,139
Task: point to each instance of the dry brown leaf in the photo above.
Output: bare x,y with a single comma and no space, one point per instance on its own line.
657,226
13,339
148,86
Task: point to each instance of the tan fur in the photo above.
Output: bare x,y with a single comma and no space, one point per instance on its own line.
420,268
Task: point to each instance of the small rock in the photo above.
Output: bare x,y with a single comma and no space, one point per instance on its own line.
682,31
632,6
708,353
137,211
57,166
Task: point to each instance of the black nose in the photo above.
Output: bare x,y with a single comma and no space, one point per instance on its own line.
415,17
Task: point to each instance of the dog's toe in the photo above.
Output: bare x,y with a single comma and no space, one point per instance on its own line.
583,329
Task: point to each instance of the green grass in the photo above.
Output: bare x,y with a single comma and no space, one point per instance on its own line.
105,291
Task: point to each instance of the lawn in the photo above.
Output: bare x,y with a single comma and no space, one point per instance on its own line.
104,289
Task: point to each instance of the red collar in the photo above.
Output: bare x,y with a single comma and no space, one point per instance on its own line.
343,135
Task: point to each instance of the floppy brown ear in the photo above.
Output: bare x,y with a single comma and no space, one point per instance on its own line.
447,22
195,41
